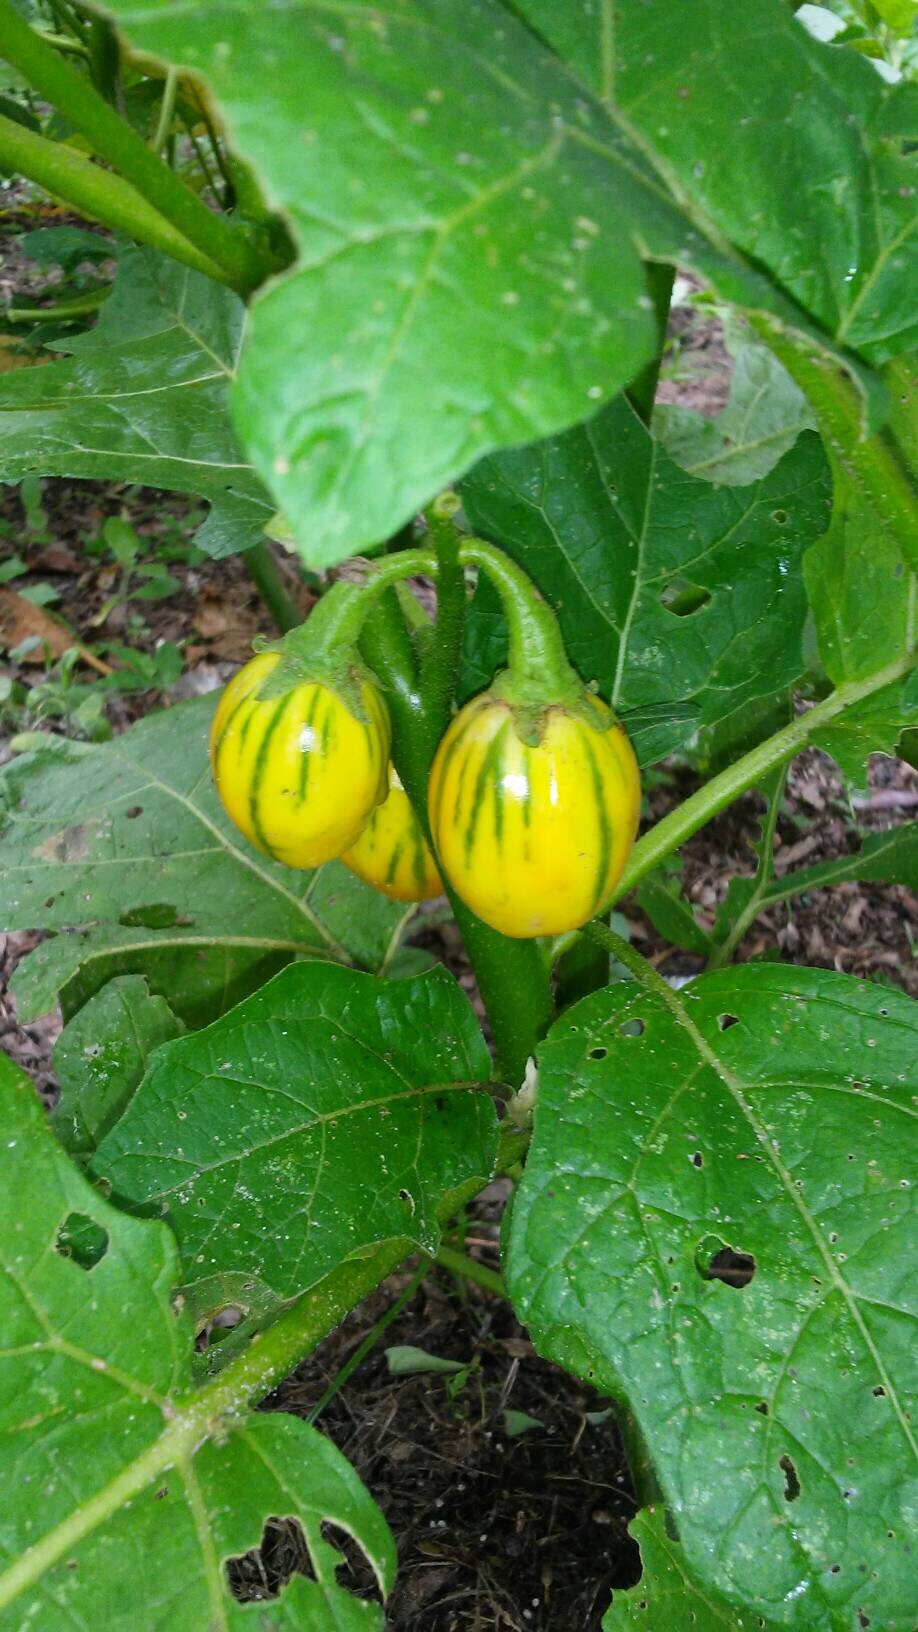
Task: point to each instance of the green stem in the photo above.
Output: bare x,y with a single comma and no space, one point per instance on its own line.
265,574
440,664
80,306
113,139
104,58
166,110
458,1263
617,947
336,622
96,193
512,976
212,1411
873,464
538,662
723,953
702,806
367,1345
215,147
642,391
63,42
203,165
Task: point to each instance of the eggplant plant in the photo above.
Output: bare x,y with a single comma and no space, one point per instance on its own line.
393,279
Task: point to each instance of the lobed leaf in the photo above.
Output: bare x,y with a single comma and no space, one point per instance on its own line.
131,838
144,398
327,1112
713,1224
673,594
120,1502
764,416
666,1599
471,221
779,139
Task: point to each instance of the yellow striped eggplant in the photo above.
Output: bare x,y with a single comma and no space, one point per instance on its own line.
534,836
299,774
392,853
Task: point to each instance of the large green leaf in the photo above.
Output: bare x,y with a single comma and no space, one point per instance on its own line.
470,221
779,139
121,1498
131,834
713,1224
666,1599
327,1112
673,594
101,1056
144,398
762,420
864,598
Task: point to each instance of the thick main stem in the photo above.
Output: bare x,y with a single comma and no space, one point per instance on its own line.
114,140
265,574
702,806
512,976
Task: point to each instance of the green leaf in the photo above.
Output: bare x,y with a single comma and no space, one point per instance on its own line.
100,1057
777,138
144,398
884,858
666,1599
131,833
406,1360
864,599
200,974
660,897
872,726
519,1422
470,224
673,594
763,418
753,1127
122,1495
326,1113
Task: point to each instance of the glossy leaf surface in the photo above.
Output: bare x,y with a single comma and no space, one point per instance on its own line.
666,1599
713,1223
762,420
109,1514
144,398
131,836
327,1112
682,599
100,1057
471,220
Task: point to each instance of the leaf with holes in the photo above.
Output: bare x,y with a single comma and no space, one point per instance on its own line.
123,1495
327,1112
131,836
471,222
713,1225
101,1056
666,1599
145,398
673,594
763,418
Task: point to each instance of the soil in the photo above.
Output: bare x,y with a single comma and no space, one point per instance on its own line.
495,1529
